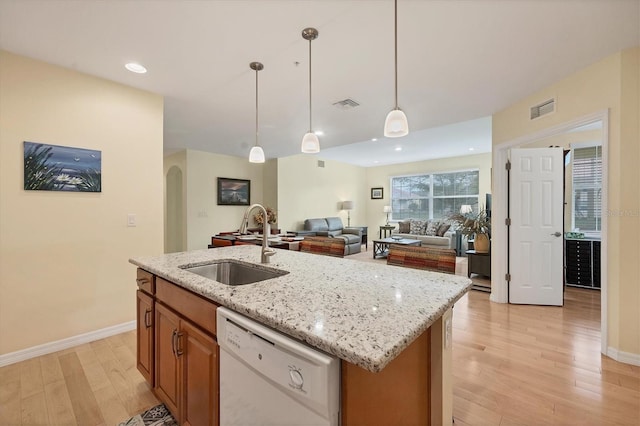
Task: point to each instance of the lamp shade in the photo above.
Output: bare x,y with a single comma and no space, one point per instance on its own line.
396,124
386,209
465,209
347,205
310,144
256,155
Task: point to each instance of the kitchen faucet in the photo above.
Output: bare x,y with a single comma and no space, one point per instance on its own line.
266,231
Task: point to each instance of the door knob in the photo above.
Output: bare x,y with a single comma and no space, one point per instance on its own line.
557,234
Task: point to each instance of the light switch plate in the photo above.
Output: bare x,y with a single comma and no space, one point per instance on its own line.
131,219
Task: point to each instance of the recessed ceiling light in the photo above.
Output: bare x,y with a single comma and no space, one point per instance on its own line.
319,132
137,68
375,161
398,148
471,149
374,139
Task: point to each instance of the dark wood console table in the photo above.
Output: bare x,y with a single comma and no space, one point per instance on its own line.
478,263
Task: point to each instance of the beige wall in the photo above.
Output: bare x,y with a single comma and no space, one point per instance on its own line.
64,256
204,216
381,177
609,84
175,202
308,191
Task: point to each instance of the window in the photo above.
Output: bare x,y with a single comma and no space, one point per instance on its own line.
587,189
434,195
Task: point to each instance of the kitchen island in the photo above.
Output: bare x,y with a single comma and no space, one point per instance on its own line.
370,316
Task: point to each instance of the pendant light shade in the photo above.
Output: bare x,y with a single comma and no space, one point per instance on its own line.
310,142
256,155
396,124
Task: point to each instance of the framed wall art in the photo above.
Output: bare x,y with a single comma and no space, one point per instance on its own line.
234,192
61,168
376,193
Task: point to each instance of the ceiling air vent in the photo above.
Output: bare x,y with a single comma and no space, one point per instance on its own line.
346,104
321,163
546,107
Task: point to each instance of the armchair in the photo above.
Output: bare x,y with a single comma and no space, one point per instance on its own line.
332,227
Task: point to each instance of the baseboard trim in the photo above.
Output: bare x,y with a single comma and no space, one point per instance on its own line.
625,357
58,345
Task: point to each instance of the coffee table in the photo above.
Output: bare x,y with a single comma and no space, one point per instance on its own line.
381,246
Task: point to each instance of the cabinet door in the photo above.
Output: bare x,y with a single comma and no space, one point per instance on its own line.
145,339
167,380
199,376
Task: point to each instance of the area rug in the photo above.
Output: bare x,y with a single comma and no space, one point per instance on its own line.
155,416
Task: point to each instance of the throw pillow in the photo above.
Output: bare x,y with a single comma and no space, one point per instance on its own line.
417,227
404,227
432,228
444,227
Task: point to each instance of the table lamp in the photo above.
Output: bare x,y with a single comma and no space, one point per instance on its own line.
387,210
348,206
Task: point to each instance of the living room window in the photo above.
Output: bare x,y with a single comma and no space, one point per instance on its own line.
433,195
587,189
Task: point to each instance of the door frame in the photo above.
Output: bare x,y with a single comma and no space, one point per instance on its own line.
499,235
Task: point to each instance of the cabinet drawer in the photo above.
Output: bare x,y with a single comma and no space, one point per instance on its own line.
146,281
197,309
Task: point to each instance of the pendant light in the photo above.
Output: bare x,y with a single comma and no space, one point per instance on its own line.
396,124
310,142
256,155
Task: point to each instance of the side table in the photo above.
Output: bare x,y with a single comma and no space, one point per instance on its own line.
364,235
478,263
387,230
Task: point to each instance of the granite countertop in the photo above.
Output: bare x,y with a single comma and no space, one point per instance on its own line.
363,313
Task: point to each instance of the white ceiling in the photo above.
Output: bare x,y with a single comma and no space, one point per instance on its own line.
458,61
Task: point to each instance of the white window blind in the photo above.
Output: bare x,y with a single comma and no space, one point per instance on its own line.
587,189
433,195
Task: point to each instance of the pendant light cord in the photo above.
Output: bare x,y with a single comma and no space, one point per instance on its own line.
395,29
310,115
256,107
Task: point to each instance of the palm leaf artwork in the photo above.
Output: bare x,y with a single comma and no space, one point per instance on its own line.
90,181
39,172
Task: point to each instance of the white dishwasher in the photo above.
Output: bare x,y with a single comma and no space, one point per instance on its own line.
268,378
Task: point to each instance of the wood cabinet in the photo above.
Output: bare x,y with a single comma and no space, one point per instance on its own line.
200,377
398,395
145,321
145,306
167,368
582,263
183,351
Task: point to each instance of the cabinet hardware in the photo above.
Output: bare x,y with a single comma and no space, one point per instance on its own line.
179,350
147,318
174,336
141,281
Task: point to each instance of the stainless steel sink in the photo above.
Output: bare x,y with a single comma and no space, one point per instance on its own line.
235,272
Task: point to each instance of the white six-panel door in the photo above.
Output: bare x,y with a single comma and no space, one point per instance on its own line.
536,233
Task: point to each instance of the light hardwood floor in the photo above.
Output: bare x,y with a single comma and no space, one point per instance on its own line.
513,365
92,384
535,365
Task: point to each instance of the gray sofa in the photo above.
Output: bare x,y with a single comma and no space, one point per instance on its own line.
332,227
423,230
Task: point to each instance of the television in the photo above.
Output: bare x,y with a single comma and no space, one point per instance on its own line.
487,204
